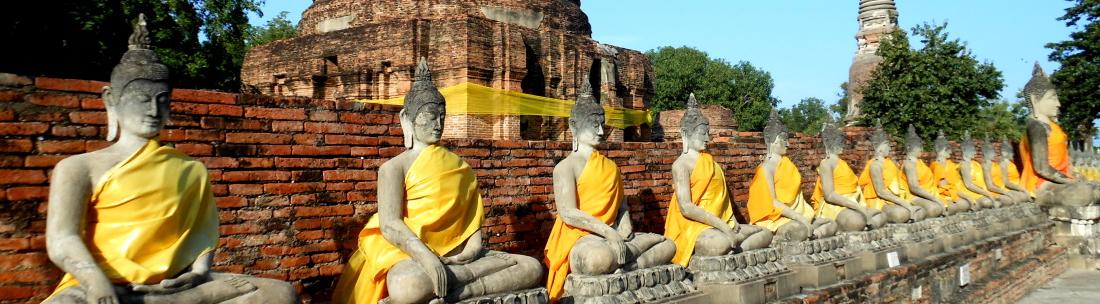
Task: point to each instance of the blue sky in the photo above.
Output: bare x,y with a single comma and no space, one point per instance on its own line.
807,45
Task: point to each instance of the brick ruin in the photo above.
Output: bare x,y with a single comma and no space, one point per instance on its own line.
877,19
366,49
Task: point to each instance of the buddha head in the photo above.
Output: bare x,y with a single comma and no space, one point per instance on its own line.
694,127
914,145
968,149
880,141
1006,149
138,96
775,134
832,137
943,148
989,153
1041,96
425,109
586,119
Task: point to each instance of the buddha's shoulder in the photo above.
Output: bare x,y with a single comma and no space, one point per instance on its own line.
399,163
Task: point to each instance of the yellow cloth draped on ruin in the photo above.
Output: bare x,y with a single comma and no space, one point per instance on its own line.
788,190
947,179
599,194
442,207
150,217
475,99
845,183
1057,157
892,177
709,192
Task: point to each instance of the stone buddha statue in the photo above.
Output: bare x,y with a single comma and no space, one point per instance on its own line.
1010,173
136,222
1045,171
837,195
425,242
884,184
775,194
948,180
995,180
973,180
700,216
919,177
592,234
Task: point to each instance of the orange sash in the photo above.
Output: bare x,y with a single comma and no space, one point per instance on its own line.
709,192
1057,157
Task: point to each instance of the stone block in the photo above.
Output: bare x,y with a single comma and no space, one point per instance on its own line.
661,284
747,292
821,262
529,296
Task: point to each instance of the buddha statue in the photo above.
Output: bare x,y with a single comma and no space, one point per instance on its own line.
1010,173
918,176
136,222
425,242
948,180
1045,171
884,185
973,180
995,180
592,234
837,195
775,193
700,216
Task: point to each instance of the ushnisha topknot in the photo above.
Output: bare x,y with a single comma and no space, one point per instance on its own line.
774,128
912,140
941,141
879,136
1037,86
139,61
831,136
585,107
967,144
423,91
693,117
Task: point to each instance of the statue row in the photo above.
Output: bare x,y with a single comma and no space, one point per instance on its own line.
136,221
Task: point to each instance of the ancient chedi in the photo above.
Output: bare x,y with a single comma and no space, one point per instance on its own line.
365,49
877,19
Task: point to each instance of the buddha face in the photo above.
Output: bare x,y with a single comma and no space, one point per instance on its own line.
697,138
1047,105
589,129
140,108
779,145
883,149
428,123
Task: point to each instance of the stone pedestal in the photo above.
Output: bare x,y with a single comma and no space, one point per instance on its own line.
530,296
874,249
822,262
756,276
954,233
661,284
1078,230
918,240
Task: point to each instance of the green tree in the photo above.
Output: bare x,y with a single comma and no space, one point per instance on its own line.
742,88
275,29
201,41
1079,76
937,86
1002,118
840,108
806,116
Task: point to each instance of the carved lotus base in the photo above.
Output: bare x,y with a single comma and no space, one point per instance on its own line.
661,284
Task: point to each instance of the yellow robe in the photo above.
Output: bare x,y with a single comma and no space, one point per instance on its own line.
891,176
442,207
976,177
925,178
845,183
997,175
1013,173
949,174
600,194
788,190
150,217
709,192
1057,157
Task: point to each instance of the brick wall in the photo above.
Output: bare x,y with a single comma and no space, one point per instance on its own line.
295,178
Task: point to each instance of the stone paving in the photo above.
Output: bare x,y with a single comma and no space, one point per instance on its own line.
1072,287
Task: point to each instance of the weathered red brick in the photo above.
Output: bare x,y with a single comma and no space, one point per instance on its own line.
204,135
7,115
274,113
16,194
74,131
231,202
286,126
322,115
323,150
17,293
203,96
22,177
92,104
23,128
91,118
6,95
291,188
188,108
255,176
62,146
324,211
350,175
69,85
225,110
257,138
55,100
